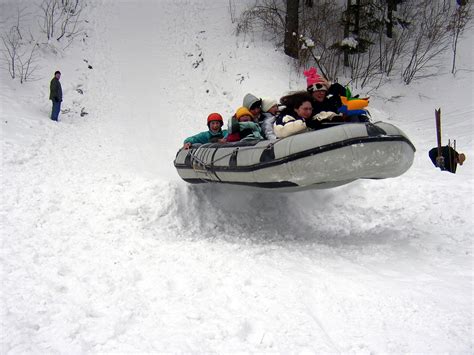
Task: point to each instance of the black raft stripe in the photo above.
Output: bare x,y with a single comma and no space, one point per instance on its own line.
307,153
276,184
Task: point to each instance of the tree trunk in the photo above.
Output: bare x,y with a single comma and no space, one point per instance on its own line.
356,18
455,50
291,29
391,7
347,24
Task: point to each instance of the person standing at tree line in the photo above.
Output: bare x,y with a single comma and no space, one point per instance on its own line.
56,95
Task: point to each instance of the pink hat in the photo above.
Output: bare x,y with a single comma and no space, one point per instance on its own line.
314,81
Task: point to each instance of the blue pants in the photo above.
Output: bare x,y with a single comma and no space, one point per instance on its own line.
55,110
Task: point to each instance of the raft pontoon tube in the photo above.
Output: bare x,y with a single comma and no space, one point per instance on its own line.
312,160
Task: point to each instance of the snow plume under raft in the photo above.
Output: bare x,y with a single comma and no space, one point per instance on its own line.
319,159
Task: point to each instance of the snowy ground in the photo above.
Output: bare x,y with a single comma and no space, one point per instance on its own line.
105,249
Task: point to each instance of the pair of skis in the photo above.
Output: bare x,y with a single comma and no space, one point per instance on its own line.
440,163
446,158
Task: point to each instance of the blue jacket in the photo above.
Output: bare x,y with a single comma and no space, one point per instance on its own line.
206,137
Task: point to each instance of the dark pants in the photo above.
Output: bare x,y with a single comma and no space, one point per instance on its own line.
55,110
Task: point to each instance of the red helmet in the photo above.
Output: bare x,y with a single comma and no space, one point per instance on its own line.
214,117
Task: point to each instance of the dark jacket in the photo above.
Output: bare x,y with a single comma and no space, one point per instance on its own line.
332,101
55,90
450,158
288,123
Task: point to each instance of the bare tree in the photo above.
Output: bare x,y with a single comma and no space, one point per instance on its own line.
347,27
390,20
50,17
11,45
232,11
19,56
291,28
266,17
430,38
391,34
27,61
70,19
321,27
373,40
61,18
12,42
459,21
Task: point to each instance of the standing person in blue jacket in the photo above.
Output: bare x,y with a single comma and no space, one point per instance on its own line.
215,134
56,95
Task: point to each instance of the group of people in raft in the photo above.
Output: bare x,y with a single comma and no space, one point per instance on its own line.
258,119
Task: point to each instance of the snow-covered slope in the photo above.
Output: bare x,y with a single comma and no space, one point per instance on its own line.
105,249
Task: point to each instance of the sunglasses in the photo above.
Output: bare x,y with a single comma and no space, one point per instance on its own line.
317,87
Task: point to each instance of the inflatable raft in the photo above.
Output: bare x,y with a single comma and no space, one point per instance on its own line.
319,159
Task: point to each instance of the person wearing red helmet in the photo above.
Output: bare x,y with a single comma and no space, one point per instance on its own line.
215,134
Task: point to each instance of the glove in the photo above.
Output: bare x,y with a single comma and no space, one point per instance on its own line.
325,115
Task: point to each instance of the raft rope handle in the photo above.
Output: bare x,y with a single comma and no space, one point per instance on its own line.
449,152
197,163
207,166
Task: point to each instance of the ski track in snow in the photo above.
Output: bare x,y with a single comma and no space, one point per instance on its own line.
105,250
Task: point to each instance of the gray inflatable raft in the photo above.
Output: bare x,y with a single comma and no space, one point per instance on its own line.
312,160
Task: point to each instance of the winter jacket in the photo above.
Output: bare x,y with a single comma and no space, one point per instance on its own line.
267,125
243,130
450,158
288,123
332,101
331,104
55,90
206,137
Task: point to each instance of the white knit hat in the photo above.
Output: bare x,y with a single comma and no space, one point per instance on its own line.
267,104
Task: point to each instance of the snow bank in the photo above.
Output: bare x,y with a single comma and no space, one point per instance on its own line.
104,249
